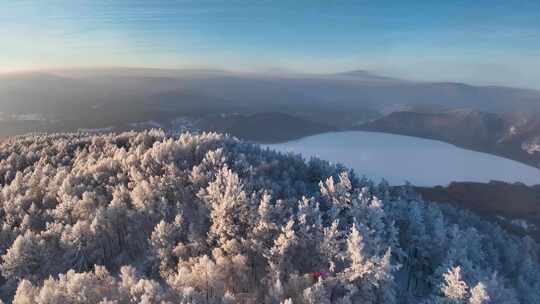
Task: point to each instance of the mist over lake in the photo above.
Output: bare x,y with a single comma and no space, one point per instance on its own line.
398,159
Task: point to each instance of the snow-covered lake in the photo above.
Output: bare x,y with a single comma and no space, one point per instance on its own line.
399,158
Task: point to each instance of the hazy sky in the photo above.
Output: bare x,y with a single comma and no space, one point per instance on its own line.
487,42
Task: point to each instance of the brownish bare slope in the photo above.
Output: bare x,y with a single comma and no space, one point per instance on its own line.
494,198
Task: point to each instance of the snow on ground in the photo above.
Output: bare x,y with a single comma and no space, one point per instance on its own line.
399,159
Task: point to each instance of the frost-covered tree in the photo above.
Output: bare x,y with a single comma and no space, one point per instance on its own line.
453,287
26,258
479,294
317,294
229,207
208,219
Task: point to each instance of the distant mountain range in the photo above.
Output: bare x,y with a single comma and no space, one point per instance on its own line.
273,107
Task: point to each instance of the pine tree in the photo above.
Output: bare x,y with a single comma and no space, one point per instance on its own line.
317,294
479,294
360,265
453,287
26,258
280,256
228,204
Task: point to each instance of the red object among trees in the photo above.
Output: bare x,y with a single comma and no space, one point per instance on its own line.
318,274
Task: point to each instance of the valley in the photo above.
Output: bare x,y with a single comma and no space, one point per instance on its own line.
272,108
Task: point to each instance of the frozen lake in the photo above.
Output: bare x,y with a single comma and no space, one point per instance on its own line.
397,158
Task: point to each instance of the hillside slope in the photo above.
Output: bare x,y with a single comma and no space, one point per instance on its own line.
210,219
265,127
511,135
495,198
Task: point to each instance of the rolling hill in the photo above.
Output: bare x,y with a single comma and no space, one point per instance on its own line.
483,118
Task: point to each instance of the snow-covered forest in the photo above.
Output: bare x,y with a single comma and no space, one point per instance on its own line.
141,217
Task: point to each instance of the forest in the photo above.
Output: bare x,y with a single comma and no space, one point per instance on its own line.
145,217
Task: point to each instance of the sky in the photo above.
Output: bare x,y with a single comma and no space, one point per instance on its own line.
479,42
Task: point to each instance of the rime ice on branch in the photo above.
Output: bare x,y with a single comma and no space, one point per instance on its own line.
146,218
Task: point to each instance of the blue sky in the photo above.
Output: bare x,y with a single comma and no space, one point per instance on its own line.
484,42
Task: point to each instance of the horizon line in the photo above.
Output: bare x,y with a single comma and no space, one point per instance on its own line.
276,71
